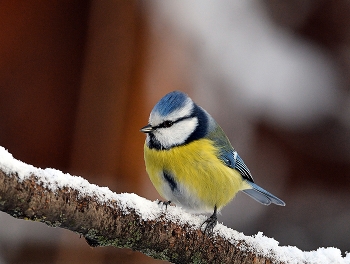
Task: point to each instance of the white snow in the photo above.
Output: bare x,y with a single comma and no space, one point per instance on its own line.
55,179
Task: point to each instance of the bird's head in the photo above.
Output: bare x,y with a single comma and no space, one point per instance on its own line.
175,120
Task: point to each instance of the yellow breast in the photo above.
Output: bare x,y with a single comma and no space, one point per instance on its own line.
203,180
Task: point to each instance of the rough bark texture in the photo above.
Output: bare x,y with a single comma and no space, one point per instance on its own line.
108,225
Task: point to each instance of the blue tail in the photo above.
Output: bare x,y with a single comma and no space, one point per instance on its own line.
261,195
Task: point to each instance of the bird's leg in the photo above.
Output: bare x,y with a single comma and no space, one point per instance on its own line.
165,203
210,222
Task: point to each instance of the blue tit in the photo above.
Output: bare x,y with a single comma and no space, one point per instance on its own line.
191,162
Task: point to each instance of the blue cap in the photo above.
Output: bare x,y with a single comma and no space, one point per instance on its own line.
171,102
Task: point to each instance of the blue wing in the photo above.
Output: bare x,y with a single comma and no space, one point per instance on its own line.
242,168
227,153
234,161
230,157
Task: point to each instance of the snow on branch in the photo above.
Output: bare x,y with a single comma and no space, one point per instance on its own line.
105,218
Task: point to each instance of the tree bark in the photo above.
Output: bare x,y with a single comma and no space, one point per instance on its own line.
121,220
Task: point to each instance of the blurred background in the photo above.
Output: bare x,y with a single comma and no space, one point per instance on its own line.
78,80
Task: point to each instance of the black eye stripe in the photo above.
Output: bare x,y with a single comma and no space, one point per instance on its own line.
169,123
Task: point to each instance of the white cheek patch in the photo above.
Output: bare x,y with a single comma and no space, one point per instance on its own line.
156,118
177,133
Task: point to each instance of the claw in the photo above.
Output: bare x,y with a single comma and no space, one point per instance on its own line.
166,203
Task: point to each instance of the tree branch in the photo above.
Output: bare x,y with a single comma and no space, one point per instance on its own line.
105,218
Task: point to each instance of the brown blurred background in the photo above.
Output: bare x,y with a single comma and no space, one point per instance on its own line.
79,78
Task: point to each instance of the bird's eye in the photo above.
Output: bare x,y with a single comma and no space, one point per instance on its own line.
167,123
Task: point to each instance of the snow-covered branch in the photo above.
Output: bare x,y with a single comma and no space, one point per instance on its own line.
105,218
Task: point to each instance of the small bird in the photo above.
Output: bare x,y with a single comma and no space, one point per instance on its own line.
191,162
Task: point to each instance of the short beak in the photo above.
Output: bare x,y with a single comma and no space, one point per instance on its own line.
147,129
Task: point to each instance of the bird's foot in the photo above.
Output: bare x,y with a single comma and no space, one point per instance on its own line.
210,223
166,203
